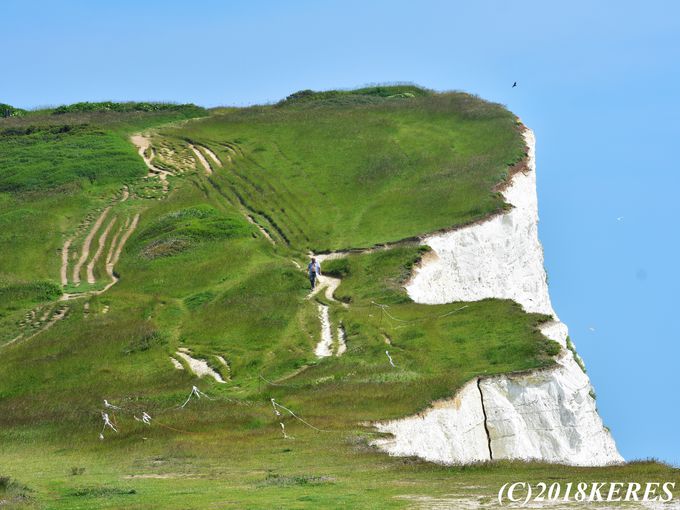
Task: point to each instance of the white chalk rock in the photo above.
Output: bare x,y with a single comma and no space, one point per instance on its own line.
549,414
500,258
451,431
199,367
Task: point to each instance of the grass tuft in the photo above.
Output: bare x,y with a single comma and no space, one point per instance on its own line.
100,492
276,480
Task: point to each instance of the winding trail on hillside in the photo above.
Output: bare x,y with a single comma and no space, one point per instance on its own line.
328,284
237,201
326,346
143,143
98,253
85,254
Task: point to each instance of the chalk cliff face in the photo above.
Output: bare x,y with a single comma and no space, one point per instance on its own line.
500,258
546,414
451,431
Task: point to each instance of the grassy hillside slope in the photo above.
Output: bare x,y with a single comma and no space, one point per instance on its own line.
208,266
328,175
56,170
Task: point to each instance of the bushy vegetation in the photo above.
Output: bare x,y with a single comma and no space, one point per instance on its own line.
179,230
87,144
337,268
7,110
14,494
101,492
355,96
31,292
59,157
110,106
577,357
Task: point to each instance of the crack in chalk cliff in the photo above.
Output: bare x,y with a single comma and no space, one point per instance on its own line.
486,425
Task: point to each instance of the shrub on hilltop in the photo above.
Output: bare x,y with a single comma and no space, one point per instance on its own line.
7,110
110,106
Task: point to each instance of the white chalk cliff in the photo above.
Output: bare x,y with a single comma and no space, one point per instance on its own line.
547,414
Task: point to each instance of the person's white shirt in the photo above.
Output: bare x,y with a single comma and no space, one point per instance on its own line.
316,267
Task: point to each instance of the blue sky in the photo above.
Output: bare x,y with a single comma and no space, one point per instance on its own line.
599,83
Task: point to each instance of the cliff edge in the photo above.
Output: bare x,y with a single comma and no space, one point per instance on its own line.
547,415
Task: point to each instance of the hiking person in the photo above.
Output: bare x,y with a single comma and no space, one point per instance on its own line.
314,270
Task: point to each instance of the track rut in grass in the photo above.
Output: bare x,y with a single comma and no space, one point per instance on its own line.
212,155
201,159
237,202
111,259
123,240
85,253
100,249
64,261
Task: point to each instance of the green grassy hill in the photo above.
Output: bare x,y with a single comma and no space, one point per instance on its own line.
108,273
326,175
